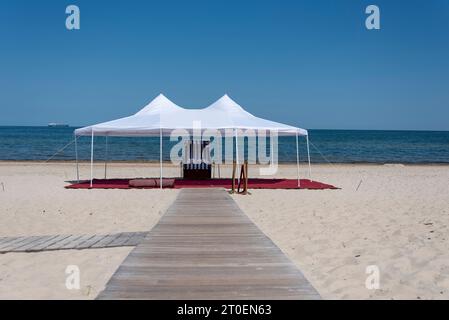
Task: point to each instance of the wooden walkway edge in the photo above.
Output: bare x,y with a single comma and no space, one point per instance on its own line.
66,242
205,247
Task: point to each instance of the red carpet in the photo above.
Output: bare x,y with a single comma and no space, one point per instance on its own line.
212,183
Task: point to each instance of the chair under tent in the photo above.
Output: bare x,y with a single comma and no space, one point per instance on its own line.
196,164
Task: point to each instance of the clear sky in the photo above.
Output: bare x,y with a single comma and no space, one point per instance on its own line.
307,63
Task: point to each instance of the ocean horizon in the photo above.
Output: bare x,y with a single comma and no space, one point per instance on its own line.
40,143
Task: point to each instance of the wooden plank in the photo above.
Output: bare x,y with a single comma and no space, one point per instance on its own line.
5,240
66,242
124,236
11,244
8,241
135,239
54,240
91,241
106,240
61,244
205,247
35,243
81,243
17,244
77,242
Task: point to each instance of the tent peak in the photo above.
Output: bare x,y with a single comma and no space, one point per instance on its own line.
227,104
161,97
226,97
159,103
224,101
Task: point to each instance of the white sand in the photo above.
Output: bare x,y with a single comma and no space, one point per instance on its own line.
397,219
43,275
34,202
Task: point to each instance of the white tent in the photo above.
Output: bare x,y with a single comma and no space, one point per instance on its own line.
161,116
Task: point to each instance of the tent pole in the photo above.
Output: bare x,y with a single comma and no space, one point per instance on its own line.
297,159
237,155
92,159
76,159
160,155
106,159
271,149
308,156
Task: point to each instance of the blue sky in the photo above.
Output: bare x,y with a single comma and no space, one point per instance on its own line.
306,63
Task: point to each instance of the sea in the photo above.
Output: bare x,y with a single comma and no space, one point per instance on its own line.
326,146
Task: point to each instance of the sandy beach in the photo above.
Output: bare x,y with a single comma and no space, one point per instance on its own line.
391,216
397,219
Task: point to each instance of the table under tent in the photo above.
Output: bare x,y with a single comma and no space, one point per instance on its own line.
161,116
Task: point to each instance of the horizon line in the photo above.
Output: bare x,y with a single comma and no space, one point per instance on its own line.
323,129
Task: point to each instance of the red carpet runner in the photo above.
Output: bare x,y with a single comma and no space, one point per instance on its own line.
212,183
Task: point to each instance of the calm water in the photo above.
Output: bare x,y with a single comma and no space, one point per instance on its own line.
337,146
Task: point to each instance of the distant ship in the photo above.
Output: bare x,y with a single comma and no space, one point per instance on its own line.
57,125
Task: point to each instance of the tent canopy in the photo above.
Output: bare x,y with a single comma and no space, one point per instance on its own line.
162,116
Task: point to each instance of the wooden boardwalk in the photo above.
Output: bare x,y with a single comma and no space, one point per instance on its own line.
205,247
65,242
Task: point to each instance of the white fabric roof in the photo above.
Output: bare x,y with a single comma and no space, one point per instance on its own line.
162,114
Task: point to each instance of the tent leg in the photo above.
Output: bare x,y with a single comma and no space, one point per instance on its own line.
92,159
297,160
308,157
237,155
271,149
76,159
160,156
106,159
